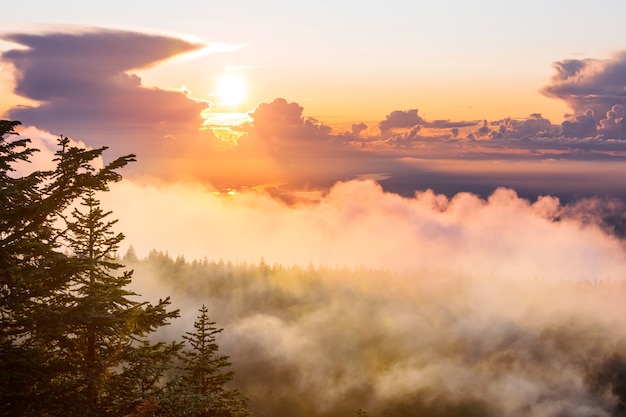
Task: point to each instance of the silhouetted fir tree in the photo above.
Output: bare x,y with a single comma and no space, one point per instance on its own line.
24,252
34,272
70,333
106,323
201,391
130,256
143,378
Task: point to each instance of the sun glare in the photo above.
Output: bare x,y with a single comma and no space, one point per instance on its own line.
231,90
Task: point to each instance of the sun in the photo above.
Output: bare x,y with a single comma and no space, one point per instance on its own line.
230,90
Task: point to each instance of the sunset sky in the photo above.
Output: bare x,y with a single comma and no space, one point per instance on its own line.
464,160
290,98
359,61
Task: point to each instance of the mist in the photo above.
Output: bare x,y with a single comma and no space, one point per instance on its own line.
326,342
358,224
354,297
363,299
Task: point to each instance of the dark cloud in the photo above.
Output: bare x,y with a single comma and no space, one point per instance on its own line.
448,124
407,119
533,126
357,128
83,83
582,126
279,130
406,139
590,84
533,138
614,125
401,119
484,130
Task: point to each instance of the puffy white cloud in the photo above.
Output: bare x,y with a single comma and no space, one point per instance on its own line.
357,223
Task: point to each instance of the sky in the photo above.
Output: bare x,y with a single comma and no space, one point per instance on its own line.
290,99
350,60
398,90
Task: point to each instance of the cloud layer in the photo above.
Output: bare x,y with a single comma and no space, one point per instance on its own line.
357,223
447,306
86,90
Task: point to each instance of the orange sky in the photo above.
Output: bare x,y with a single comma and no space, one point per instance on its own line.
310,120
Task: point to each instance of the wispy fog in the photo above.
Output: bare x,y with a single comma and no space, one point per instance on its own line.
400,306
326,342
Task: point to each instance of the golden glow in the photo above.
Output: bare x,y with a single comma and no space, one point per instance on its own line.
231,90
222,124
212,118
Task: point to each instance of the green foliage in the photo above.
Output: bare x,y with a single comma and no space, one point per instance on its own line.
73,339
33,272
201,391
104,324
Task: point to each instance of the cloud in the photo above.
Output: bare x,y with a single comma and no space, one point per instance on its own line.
582,126
449,124
85,87
295,157
589,83
614,125
357,128
455,305
304,151
533,126
86,90
406,139
379,229
406,119
401,119
83,83
283,121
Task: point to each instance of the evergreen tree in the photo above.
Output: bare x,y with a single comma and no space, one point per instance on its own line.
33,271
106,324
72,338
202,389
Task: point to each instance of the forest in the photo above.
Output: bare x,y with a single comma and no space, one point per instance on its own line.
89,331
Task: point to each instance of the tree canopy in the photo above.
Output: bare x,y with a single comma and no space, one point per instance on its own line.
74,340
